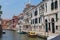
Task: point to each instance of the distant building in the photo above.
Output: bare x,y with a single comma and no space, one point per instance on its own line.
14,21
21,21
5,24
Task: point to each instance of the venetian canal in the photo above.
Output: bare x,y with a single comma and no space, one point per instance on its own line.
12,35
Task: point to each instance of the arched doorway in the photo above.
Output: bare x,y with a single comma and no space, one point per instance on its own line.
53,25
46,25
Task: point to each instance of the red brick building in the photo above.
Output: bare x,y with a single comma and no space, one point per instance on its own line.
5,23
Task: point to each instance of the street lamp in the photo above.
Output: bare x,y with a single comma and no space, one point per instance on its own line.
0,12
0,22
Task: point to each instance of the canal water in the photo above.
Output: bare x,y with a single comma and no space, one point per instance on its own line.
12,35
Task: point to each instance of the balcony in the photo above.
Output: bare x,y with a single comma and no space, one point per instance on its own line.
26,24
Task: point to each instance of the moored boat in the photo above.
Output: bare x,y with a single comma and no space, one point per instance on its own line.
32,34
23,32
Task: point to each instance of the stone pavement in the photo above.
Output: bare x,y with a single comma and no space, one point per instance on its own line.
56,38
49,34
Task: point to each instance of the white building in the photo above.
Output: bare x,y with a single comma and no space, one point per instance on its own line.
46,17
43,17
21,21
51,15
27,17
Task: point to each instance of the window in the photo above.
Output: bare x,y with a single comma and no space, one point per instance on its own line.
21,17
31,21
26,26
52,6
39,19
56,16
42,0
46,7
56,4
36,21
56,27
52,0
49,27
42,6
0,7
31,15
0,12
36,13
13,20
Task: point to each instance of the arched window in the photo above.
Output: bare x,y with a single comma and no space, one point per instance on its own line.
52,0
36,13
35,20
53,25
46,21
49,27
52,6
56,4
56,27
46,25
52,20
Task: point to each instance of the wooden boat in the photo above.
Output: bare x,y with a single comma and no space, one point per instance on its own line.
32,34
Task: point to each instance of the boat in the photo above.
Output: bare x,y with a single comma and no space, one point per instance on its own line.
23,32
18,31
4,32
32,34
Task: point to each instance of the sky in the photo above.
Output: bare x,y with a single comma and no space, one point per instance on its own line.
14,7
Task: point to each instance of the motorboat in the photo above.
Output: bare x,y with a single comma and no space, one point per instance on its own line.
32,34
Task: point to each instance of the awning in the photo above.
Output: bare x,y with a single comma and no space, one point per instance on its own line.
26,24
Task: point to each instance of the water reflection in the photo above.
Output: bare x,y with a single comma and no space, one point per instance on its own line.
11,35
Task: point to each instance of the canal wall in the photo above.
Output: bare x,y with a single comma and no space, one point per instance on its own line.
48,36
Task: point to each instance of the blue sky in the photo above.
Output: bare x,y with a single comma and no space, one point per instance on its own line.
14,7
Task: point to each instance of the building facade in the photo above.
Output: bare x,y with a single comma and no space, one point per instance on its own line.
51,16
43,17
21,21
